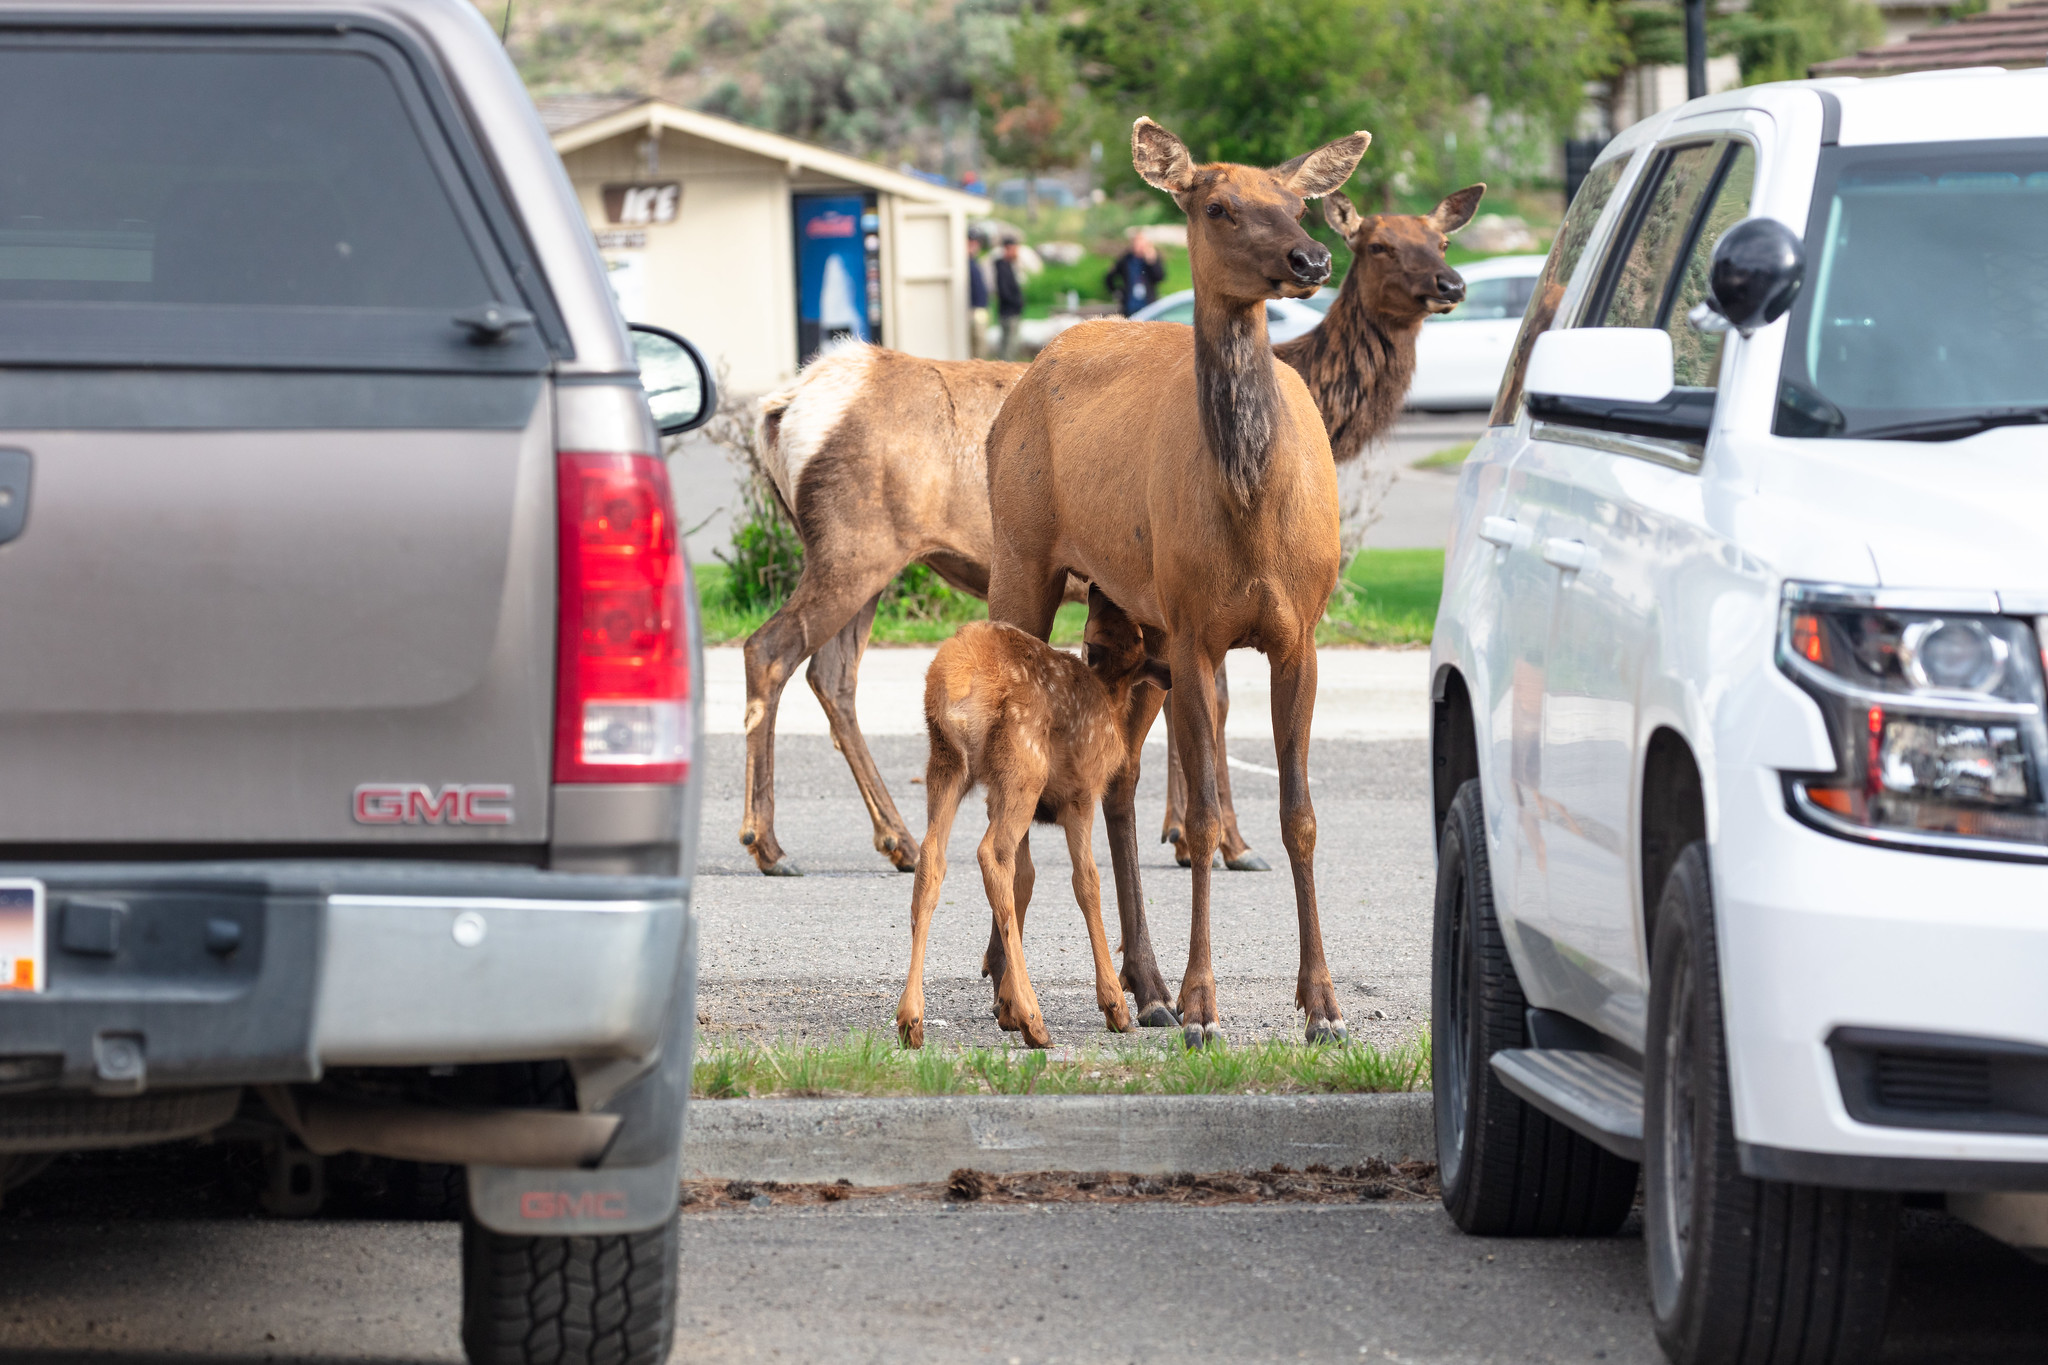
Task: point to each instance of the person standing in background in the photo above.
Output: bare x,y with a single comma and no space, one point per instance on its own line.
977,298
1009,297
1136,275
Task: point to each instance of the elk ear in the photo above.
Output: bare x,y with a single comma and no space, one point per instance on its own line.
1457,209
1156,672
1161,158
1314,174
1342,215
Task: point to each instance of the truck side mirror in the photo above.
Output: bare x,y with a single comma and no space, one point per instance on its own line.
1759,265
680,393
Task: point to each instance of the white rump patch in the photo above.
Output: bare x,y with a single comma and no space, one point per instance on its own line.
823,393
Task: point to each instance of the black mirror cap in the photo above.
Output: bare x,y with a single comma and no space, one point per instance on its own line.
1759,266
665,357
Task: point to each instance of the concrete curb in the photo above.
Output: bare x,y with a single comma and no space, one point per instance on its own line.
906,1141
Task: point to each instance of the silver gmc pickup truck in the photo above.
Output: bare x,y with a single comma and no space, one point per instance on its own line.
349,669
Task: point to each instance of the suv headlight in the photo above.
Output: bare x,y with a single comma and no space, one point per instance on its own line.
1936,719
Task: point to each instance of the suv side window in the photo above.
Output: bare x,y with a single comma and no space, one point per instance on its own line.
1572,236
1697,193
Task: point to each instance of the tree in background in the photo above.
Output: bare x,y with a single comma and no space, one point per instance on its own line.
1778,40
1443,85
1034,115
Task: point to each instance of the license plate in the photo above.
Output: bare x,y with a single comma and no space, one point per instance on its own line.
22,955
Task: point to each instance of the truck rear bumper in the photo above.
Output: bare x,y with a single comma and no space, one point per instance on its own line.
345,963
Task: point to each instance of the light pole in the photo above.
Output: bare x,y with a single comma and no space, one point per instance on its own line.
1695,48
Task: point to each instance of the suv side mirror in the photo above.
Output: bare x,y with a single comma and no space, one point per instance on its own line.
1615,379
1759,266
680,393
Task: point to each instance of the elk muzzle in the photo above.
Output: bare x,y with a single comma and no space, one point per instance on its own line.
1450,292
1311,264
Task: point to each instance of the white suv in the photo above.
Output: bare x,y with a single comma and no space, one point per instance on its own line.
1739,761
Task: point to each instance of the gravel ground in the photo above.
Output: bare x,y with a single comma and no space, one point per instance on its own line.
818,955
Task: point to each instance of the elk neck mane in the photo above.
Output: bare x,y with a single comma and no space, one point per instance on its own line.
1357,364
1237,392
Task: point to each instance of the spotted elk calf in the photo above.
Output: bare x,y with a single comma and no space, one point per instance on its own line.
1043,732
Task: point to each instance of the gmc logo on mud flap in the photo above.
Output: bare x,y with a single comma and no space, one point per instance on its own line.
547,1205
410,803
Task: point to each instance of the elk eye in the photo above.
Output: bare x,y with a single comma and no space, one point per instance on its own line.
1214,210
1378,248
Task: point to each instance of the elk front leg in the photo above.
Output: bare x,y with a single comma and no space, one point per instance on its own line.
1009,820
833,675
1193,701
1294,704
1140,975
1079,822
822,604
1237,855
945,782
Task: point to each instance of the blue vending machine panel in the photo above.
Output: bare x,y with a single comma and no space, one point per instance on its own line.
835,270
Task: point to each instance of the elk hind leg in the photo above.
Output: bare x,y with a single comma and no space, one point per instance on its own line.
1140,975
994,957
833,676
1294,703
1009,813
1193,702
1233,851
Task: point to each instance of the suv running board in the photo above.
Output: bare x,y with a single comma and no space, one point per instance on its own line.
1590,1093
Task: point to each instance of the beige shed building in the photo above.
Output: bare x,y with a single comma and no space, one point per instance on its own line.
760,247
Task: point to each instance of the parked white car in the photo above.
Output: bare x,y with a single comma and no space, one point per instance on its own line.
1461,355
1286,319
1739,745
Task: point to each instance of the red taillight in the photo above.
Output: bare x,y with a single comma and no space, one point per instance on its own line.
622,695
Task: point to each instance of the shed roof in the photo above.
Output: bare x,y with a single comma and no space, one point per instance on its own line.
2015,37
578,121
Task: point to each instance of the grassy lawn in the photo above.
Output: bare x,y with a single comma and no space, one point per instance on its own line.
1448,458
1386,597
872,1064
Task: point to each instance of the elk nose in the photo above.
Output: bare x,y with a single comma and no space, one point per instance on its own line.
1451,287
1310,264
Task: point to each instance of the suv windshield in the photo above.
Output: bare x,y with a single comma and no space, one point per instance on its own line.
1925,312
232,201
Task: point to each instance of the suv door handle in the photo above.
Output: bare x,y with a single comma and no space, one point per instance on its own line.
1504,532
1572,556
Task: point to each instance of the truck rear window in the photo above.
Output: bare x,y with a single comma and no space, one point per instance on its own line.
166,199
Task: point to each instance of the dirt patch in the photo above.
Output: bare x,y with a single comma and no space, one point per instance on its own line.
1374,1182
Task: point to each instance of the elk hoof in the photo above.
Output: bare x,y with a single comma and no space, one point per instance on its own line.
782,867
1248,861
912,1033
1183,860
1327,1031
1158,1016
1198,1036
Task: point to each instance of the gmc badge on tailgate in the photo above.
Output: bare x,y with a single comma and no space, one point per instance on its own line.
413,803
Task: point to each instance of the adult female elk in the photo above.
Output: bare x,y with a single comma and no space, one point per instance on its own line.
1189,476
878,456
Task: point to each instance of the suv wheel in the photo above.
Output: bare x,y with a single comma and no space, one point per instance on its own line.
1508,1170
569,1300
1741,1270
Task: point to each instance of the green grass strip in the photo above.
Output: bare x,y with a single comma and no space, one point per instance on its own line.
871,1064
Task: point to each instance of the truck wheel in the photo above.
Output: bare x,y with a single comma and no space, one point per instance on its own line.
1507,1169
1741,1270
569,1300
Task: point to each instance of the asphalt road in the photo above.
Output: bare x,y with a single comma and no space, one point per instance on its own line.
902,1281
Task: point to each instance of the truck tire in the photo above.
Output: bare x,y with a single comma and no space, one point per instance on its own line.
607,1300
1741,1270
1507,1169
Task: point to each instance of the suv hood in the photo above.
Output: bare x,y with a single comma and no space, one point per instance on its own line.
1934,514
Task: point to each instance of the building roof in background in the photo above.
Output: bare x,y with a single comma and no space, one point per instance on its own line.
2015,37
578,121
566,111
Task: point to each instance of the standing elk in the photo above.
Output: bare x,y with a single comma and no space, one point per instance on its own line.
1044,733
877,456
1188,475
